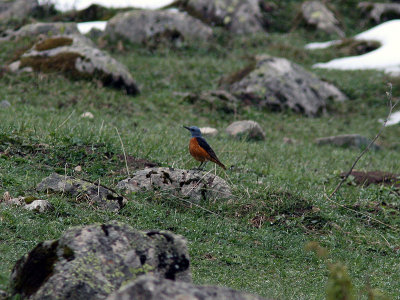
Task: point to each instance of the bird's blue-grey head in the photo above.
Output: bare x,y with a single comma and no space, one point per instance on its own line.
195,131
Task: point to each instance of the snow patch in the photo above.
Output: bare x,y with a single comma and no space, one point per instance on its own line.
385,58
85,27
65,5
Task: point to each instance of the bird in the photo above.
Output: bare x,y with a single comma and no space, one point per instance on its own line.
200,149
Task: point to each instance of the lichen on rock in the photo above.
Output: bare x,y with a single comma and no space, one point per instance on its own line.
91,262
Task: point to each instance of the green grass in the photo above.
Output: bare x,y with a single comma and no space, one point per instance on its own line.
254,243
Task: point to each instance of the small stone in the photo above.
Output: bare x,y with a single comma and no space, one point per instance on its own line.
6,197
5,104
289,141
78,169
39,206
87,115
209,131
248,129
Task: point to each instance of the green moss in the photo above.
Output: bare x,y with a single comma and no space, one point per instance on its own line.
30,199
62,62
52,43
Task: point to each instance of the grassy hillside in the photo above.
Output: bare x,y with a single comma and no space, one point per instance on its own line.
257,241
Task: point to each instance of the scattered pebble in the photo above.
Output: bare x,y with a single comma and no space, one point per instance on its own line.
88,115
78,169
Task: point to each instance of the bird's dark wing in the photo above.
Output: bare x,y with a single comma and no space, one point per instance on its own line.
203,144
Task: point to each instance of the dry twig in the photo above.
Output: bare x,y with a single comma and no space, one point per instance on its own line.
391,107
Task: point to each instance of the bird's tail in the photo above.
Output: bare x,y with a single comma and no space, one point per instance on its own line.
219,163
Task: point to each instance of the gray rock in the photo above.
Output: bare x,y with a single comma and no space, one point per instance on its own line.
317,14
150,288
40,206
5,104
347,140
47,29
82,191
376,10
16,9
139,26
193,185
93,261
247,129
239,17
278,83
76,56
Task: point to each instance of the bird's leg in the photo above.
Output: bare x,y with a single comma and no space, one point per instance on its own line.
204,164
199,167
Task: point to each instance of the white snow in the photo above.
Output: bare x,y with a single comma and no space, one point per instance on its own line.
64,5
85,27
385,58
393,120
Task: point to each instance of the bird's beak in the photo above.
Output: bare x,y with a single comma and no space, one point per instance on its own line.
186,127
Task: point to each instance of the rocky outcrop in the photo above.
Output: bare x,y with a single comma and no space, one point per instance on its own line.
16,9
239,17
277,83
150,288
315,13
77,57
377,11
193,185
141,26
347,140
93,261
250,130
82,190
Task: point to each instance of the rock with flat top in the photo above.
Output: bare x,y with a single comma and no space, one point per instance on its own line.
193,185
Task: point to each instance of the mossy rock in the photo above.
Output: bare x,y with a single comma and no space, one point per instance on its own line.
91,262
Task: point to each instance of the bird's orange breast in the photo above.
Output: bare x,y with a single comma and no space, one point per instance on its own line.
198,152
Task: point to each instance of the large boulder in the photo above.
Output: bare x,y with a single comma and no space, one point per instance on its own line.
278,83
188,184
150,288
93,261
77,57
82,191
315,13
140,26
237,16
379,12
16,9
